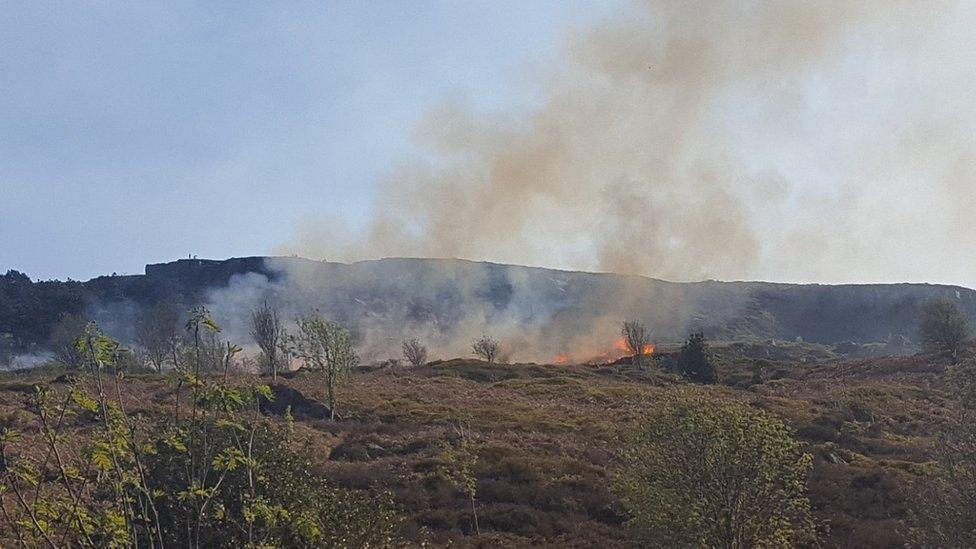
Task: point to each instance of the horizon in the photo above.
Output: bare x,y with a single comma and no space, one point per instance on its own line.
487,262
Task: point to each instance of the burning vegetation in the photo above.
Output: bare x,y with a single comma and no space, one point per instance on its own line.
618,350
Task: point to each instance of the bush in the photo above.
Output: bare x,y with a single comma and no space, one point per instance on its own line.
694,362
943,327
693,459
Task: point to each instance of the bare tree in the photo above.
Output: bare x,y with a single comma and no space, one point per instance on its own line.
268,333
635,335
211,352
486,348
156,328
64,338
414,352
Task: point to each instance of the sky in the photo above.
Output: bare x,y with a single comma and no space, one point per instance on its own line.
792,141
137,132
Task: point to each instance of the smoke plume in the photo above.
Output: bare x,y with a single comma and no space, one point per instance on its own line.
798,141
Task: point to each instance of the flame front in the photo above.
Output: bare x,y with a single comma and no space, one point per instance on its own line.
619,349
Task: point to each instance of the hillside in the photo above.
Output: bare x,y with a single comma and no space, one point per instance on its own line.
536,312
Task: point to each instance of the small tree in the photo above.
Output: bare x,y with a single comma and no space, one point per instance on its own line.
268,333
486,348
694,362
325,346
703,474
414,352
943,327
635,335
155,330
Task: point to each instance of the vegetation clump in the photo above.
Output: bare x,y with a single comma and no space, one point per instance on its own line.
943,328
458,461
694,362
87,472
636,338
486,348
703,474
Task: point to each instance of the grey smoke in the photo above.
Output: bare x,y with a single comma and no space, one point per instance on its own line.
28,360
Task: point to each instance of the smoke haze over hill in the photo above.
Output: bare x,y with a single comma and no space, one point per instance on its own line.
794,141
535,313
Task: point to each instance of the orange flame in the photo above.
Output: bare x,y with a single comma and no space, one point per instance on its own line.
618,350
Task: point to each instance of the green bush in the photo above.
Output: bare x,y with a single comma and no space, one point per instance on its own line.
943,326
703,474
694,361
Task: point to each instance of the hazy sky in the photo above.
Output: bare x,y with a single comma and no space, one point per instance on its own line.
135,132
788,140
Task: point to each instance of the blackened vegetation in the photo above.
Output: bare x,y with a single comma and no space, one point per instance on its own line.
287,400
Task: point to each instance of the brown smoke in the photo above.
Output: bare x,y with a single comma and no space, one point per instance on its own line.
787,140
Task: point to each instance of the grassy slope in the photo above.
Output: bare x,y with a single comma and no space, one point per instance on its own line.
548,436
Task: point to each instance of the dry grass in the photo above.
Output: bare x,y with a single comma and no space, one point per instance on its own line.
548,437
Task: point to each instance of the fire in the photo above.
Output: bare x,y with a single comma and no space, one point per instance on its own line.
621,345
618,350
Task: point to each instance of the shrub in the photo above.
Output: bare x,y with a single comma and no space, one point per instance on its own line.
943,326
716,475
694,362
